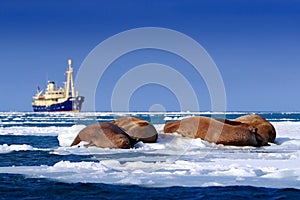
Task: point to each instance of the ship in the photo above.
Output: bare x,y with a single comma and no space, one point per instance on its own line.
60,98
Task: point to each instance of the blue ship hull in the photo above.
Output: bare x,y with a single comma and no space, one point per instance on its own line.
71,104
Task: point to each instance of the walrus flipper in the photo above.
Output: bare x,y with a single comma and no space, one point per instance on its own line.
89,144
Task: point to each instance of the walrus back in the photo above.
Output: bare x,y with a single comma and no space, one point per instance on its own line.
219,131
171,127
104,135
138,129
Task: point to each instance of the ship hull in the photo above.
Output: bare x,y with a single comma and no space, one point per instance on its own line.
71,104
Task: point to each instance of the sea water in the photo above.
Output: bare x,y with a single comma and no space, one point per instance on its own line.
36,161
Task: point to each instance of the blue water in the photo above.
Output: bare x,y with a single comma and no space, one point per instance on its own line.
13,186
18,187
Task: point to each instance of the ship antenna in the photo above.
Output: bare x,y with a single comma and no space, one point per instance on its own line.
70,81
70,63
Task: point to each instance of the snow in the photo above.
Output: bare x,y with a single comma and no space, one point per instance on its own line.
174,161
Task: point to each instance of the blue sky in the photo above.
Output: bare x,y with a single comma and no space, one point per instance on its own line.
255,45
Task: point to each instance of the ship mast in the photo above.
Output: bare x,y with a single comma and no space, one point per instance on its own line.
70,81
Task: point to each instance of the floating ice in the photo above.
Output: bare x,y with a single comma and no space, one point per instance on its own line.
174,161
14,147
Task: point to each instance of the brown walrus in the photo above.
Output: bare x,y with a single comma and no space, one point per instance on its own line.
212,130
264,127
104,135
137,129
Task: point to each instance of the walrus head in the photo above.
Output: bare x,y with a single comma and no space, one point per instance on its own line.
260,140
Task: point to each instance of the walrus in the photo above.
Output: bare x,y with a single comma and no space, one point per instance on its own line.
264,127
104,135
215,131
138,129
